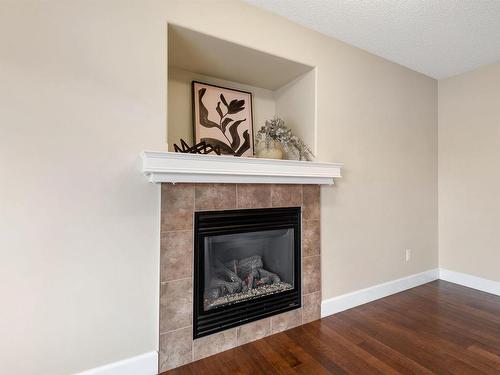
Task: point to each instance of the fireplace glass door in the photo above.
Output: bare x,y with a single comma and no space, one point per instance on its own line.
247,266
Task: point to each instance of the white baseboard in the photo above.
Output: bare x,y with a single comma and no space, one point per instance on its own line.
474,282
360,297
145,364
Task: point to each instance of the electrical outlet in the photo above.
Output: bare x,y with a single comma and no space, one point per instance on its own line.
407,255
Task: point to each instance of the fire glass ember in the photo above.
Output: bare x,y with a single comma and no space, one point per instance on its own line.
243,266
239,280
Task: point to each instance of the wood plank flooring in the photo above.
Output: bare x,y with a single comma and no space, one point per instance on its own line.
437,328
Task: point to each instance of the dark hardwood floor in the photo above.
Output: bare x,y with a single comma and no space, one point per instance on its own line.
437,328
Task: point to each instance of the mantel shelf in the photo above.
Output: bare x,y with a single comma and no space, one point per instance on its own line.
174,167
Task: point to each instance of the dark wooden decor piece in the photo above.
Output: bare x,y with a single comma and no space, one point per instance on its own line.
199,148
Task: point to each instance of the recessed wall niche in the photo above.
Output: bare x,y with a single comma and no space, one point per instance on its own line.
279,86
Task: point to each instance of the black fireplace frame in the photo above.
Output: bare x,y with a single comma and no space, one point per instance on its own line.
211,223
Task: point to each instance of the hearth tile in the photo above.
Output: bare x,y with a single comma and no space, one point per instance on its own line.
311,274
215,196
286,320
176,348
254,331
176,304
312,307
213,344
312,240
176,255
311,202
253,196
177,207
286,195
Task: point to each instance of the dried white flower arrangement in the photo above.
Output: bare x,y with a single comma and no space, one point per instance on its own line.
275,130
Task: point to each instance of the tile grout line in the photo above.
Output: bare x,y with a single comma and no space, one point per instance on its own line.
308,294
173,281
160,346
191,340
192,350
302,197
174,231
236,194
302,227
311,256
174,330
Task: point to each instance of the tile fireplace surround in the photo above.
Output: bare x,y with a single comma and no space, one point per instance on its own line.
178,203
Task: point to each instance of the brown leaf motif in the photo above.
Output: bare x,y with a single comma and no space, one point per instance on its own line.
204,112
233,145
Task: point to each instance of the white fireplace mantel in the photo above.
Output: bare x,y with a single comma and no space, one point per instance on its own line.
194,168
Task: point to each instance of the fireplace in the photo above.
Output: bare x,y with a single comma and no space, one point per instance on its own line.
186,322
246,266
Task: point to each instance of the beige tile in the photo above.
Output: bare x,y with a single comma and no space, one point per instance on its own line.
176,304
253,196
176,348
176,255
177,207
254,331
286,195
311,202
213,344
311,242
286,320
311,307
311,274
215,196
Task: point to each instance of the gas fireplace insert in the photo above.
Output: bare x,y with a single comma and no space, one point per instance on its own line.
246,266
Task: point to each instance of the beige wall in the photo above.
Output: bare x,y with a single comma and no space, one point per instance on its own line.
84,91
296,105
469,182
381,120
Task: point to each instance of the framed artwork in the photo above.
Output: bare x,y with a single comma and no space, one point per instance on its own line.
222,117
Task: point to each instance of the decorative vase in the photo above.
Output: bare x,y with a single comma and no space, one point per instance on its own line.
269,150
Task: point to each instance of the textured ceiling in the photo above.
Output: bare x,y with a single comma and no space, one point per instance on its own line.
439,38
